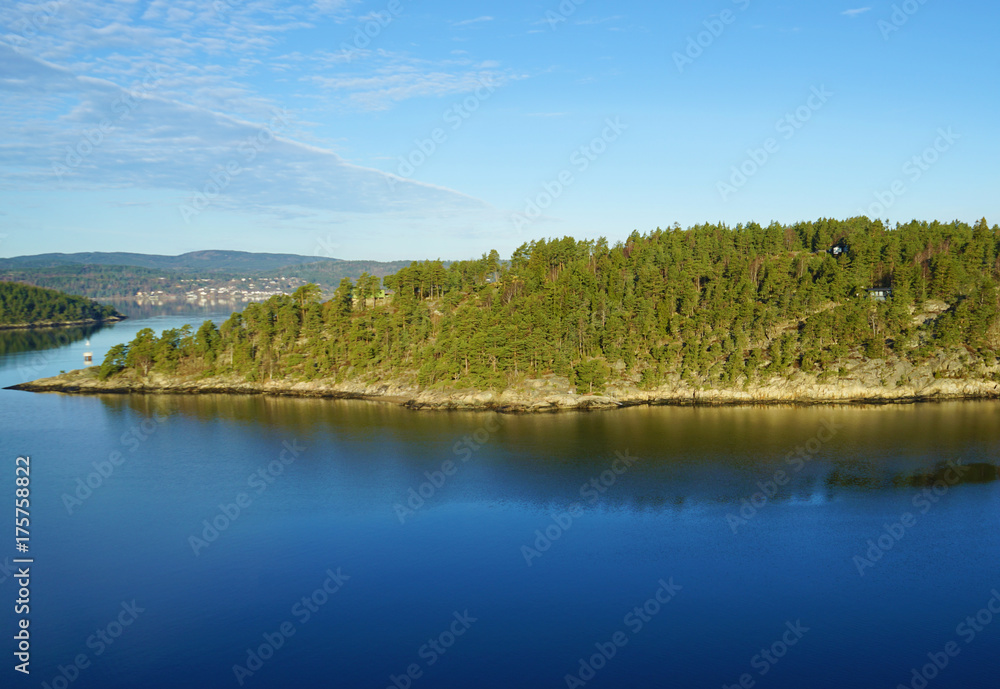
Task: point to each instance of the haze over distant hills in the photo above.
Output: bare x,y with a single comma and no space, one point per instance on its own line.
117,275
209,261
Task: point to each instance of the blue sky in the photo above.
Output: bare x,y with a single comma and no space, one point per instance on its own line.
402,129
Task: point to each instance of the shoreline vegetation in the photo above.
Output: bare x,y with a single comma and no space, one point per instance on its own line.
825,311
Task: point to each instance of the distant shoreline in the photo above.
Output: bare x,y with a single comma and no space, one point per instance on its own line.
62,324
530,399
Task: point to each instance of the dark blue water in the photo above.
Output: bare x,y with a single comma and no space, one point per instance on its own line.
536,540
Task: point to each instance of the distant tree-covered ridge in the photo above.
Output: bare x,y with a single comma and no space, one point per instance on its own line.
93,281
120,282
27,305
711,305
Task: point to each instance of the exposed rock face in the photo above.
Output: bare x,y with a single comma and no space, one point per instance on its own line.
942,377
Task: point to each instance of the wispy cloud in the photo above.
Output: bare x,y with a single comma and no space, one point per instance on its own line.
855,12
477,20
598,20
55,120
399,77
224,68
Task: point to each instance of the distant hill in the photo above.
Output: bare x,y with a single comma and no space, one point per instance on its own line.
209,261
110,282
101,275
329,273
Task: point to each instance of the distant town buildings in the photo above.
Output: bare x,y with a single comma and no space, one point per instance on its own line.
208,291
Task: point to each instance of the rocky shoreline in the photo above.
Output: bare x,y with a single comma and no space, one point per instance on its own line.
867,382
62,324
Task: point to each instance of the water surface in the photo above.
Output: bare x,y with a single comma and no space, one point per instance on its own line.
473,541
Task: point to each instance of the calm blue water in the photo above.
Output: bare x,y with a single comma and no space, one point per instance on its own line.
449,593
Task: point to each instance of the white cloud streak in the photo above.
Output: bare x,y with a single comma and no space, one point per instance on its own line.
477,20
49,113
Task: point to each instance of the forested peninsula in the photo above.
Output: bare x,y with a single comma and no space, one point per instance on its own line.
825,311
26,306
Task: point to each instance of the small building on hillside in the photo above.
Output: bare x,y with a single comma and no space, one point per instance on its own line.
880,293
